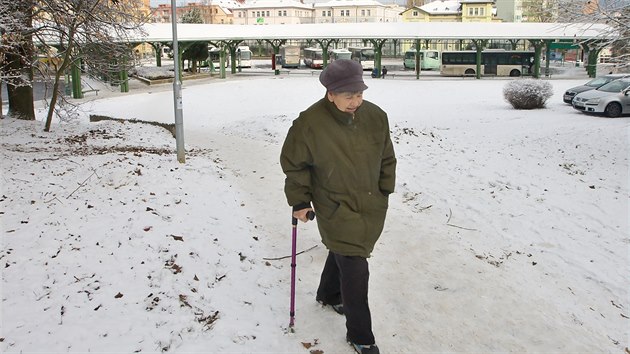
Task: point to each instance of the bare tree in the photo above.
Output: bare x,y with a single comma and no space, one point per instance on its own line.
192,16
90,34
540,10
418,3
614,13
196,51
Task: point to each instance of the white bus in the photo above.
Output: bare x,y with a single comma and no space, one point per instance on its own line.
243,57
497,62
364,55
290,56
313,58
214,57
429,59
339,54
166,52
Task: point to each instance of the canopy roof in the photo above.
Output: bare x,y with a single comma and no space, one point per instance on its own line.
400,30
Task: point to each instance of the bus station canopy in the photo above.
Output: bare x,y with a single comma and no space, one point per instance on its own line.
162,32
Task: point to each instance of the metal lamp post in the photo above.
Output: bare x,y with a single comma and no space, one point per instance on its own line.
177,92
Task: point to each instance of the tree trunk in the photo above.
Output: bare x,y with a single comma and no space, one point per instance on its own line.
20,89
53,101
20,69
67,57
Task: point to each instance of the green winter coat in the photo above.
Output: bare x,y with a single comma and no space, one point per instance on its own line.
346,168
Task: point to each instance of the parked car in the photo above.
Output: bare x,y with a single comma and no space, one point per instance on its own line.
591,85
612,99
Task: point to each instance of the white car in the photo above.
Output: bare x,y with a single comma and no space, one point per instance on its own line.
611,99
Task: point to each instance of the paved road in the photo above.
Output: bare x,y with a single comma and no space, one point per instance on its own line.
263,67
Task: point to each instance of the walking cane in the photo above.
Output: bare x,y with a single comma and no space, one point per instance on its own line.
310,215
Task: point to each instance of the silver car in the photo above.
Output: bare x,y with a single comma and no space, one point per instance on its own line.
612,99
591,85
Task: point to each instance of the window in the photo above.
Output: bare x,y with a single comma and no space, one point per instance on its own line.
279,13
470,11
414,13
267,13
347,12
343,13
482,11
329,13
284,12
476,11
368,12
323,13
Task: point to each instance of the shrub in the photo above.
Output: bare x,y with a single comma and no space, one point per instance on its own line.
153,73
527,93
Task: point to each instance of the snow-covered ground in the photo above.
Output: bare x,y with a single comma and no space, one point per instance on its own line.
508,231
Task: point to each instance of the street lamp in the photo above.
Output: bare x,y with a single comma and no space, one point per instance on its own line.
177,92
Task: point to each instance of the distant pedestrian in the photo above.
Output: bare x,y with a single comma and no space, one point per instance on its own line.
384,72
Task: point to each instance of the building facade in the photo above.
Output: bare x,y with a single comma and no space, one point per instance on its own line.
452,11
278,12
478,11
212,11
273,12
356,11
449,11
510,10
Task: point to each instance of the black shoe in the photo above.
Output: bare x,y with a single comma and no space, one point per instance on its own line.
365,349
338,308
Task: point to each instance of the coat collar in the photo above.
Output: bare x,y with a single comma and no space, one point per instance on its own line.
342,117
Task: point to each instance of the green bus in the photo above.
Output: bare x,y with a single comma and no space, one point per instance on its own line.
429,59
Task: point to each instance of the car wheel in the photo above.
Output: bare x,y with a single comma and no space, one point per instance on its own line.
469,72
613,110
515,73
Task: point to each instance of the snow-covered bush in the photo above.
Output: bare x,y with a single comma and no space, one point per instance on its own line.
153,73
527,93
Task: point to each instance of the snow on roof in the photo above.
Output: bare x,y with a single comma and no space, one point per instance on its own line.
162,32
227,4
442,7
348,3
258,4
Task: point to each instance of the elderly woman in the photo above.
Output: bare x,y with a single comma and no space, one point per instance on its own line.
339,160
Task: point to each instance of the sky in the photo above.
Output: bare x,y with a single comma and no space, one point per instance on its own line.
508,230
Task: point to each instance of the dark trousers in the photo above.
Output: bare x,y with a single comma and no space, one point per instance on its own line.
345,280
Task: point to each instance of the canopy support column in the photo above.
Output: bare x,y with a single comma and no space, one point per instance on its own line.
275,44
479,44
537,44
325,44
378,53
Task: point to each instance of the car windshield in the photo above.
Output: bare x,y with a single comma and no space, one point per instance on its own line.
615,86
597,82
